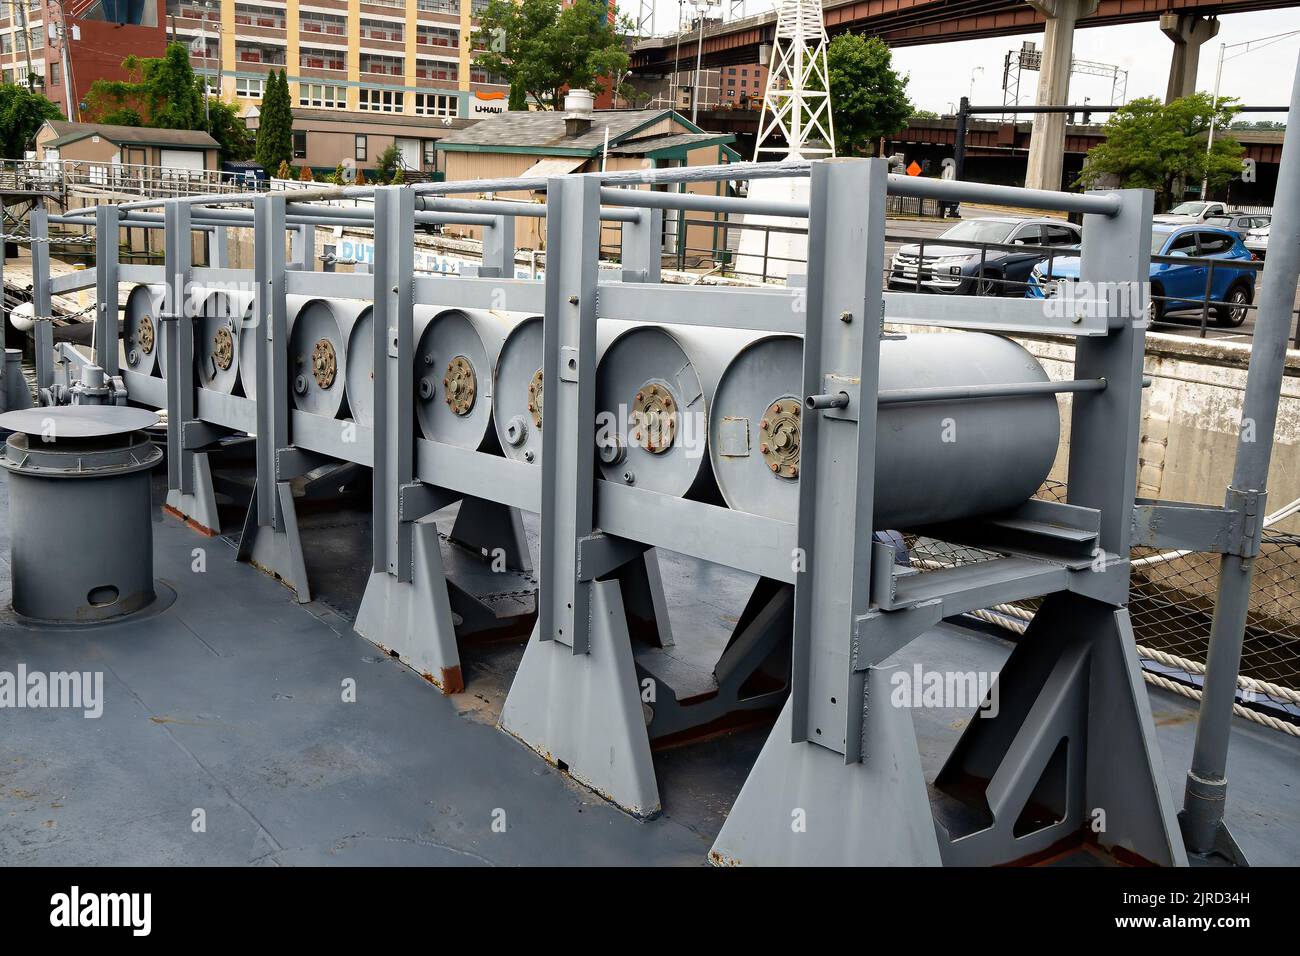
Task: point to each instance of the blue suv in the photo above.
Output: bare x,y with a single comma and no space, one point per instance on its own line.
1180,286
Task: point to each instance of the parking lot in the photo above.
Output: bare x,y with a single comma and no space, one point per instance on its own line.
903,231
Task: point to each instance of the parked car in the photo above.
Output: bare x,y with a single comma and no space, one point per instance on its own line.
1257,242
1195,211
955,268
1240,222
1179,286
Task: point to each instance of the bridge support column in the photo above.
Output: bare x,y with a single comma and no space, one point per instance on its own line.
1188,32
1047,146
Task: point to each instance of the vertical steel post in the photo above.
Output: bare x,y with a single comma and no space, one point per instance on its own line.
569,370
499,249
639,244
272,365
845,304
38,226
179,343
1207,780
1105,427
4,318
394,453
106,316
218,248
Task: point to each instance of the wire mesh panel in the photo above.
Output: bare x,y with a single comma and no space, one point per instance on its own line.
1172,597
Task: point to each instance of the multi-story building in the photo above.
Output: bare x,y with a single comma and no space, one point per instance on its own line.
99,34
413,57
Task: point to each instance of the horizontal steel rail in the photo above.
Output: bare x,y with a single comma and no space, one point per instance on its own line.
912,396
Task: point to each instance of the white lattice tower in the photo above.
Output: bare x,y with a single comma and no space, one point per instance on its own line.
796,101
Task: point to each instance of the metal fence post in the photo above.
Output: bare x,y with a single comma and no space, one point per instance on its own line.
639,247
569,370
178,344
38,226
1207,780
499,249
106,317
394,345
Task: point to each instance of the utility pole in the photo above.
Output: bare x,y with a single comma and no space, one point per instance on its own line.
27,44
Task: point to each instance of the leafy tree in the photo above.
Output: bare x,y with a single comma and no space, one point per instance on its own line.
285,171
361,178
172,91
165,93
339,177
275,124
868,96
544,49
22,113
226,126
123,116
518,98
305,176
924,114
399,177
1153,145
390,162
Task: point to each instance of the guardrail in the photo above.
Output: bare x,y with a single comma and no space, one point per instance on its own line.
155,182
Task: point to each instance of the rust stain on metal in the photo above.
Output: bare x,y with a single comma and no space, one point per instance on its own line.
190,522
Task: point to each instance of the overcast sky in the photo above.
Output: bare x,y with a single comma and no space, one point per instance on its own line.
1259,77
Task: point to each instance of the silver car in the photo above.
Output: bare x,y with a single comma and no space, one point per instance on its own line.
1257,241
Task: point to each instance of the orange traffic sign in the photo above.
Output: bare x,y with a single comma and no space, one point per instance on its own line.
913,169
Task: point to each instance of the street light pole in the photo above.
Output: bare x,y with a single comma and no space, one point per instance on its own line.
1218,77
700,7
1209,142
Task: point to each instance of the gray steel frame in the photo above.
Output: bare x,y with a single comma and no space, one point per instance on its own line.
1074,734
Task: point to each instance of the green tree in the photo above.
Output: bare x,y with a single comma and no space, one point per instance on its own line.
275,124
22,113
173,93
518,98
543,48
868,96
1153,145
389,164
226,126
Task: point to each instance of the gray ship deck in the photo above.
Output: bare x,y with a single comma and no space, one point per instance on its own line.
230,701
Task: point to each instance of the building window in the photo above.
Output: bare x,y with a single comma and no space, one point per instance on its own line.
436,70
436,104
382,30
380,101
259,53
299,145
359,153
250,87
385,65
309,21
430,152
311,58
322,96
438,6
426,35
54,73
250,16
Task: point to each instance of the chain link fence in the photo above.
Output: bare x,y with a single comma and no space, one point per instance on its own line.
1171,604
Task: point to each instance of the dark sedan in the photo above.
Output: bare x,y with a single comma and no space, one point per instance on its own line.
961,261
